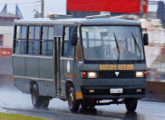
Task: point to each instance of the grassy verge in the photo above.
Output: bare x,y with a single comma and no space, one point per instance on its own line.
4,116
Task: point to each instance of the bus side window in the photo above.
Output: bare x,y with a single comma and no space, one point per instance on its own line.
78,48
68,48
47,40
21,40
78,52
34,40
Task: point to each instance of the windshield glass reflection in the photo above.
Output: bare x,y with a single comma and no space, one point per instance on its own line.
112,43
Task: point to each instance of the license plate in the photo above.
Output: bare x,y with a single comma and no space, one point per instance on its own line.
116,90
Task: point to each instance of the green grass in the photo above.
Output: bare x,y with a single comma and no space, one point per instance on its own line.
4,116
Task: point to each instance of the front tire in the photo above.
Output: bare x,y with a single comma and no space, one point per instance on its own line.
72,102
131,104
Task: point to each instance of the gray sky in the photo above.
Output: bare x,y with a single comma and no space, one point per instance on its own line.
27,7
51,6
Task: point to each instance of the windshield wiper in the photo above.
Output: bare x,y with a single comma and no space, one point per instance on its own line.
117,45
136,44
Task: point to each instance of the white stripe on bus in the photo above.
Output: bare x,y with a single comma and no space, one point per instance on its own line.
66,58
33,56
46,57
31,78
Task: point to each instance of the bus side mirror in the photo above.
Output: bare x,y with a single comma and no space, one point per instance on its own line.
74,39
145,38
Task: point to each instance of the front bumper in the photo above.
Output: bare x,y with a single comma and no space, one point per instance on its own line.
104,92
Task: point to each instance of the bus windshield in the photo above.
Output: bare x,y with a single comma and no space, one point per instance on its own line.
112,43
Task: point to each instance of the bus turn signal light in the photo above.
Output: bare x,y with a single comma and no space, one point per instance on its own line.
145,74
79,95
84,75
14,79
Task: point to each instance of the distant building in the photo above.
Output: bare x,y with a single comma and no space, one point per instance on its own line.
6,32
7,19
82,8
152,15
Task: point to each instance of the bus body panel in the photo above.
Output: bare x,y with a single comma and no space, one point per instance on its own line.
46,88
66,69
32,67
18,66
22,84
46,68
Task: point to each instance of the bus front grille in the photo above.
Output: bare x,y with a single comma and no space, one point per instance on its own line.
116,74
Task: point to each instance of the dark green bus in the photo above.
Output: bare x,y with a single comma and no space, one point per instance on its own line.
84,61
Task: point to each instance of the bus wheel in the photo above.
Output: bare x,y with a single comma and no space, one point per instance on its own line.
36,99
130,104
72,102
88,105
45,102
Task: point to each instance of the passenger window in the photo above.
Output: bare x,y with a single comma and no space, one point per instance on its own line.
31,32
47,48
45,33
18,32
78,52
34,47
21,46
34,40
37,33
68,48
50,34
24,32
47,40
21,40
78,49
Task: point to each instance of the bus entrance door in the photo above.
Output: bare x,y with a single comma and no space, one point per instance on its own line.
57,51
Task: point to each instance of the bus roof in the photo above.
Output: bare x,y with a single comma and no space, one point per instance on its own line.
77,21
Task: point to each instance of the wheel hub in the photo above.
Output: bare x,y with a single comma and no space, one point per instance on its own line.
34,96
71,97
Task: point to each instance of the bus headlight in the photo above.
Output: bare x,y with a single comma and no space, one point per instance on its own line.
140,74
92,74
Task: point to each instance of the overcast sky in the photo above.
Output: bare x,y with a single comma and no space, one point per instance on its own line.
27,7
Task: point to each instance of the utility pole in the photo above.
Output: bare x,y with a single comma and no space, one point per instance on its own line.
42,8
141,8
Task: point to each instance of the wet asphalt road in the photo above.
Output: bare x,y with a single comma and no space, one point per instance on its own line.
13,101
